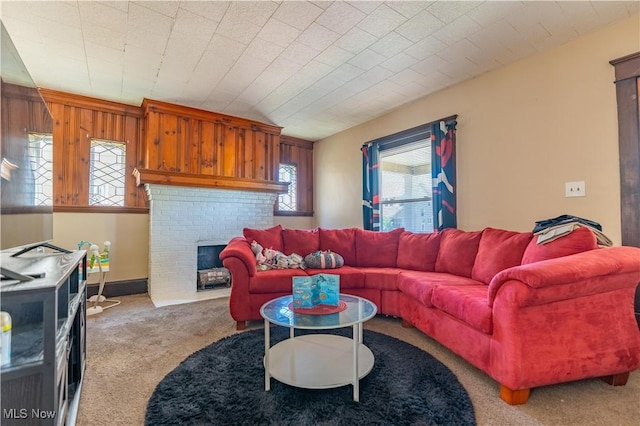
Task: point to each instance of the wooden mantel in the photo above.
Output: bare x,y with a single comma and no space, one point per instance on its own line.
191,147
221,182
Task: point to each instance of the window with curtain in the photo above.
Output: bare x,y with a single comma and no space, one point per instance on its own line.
409,179
405,187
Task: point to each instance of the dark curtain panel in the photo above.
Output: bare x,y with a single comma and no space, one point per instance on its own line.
443,171
370,187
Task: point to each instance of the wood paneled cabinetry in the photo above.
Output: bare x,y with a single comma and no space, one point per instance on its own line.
188,146
299,152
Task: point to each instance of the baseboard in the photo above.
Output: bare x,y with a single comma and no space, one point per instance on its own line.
119,288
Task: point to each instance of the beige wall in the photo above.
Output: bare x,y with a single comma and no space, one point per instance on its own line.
128,233
295,222
523,131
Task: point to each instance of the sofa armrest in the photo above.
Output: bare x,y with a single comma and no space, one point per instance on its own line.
581,274
240,248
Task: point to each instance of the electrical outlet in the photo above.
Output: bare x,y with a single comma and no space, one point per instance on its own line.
574,189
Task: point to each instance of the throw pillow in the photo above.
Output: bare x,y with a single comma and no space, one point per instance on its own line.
323,260
458,250
498,250
342,241
418,251
579,240
379,249
268,238
300,240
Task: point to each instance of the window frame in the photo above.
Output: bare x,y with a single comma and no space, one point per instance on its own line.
399,139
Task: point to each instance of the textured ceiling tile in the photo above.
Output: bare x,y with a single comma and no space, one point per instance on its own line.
492,11
425,48
420,26
532,14
449,11
194,26
366,6
104,36
382,21
463,48
340,17
298,14
318,37
148,29
237,28
408,9
355,40
392,44
225,47
109,54
334,56
97,13
263,50
399,62
457,30
429,65
167,8
256,12
299,53
367,59
346,72
405,77
61,32
376,74
213,10
278,32
65,12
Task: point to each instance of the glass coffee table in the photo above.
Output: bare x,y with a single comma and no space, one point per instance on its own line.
318,361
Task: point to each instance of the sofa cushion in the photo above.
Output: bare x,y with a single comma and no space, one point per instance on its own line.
468,303
457,252
341,241
267,238
498,250
381,278
300,241
418,251
375,248
579,240
350,277
274,280
420,285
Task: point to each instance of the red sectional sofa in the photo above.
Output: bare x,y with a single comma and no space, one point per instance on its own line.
528,315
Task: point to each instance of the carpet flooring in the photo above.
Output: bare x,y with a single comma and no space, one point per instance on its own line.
223,384
132,347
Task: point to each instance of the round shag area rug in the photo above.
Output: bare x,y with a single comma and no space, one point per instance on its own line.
223,384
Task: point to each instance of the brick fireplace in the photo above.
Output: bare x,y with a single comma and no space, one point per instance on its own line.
181,217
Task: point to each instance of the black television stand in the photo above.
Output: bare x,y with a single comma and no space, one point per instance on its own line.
35,246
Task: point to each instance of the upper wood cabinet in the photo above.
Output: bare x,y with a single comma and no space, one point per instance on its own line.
184,145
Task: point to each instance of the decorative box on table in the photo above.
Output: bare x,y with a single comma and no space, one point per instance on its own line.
321,289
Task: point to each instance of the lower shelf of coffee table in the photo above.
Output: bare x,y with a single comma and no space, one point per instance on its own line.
318,361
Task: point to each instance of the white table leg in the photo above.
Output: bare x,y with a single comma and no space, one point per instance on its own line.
356,344
267,376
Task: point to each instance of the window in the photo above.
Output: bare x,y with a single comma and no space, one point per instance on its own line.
107,173
41,157
288,202
405,187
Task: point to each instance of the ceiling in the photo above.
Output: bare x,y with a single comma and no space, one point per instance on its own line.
313,67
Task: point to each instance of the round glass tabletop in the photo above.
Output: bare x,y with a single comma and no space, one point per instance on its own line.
278,311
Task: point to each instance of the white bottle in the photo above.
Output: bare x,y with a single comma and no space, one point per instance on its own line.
5,341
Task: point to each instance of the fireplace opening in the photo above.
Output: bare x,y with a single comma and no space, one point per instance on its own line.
210,271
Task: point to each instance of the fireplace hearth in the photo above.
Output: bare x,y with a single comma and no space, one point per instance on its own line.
181,219
211,273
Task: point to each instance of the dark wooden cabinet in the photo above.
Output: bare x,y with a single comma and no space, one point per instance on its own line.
41,385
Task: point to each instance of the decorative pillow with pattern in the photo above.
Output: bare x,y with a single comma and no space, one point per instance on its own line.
323,260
